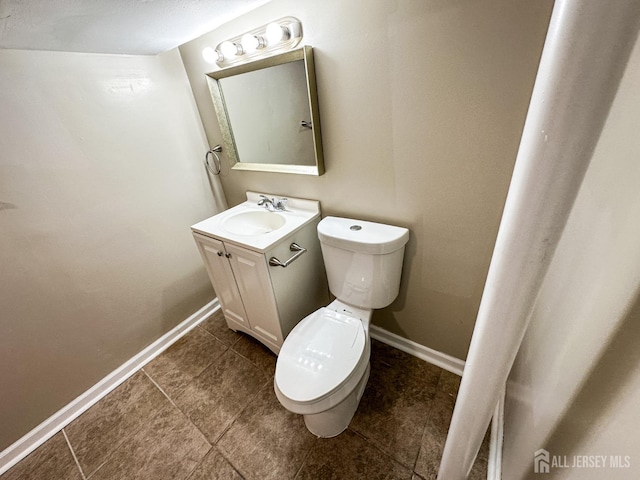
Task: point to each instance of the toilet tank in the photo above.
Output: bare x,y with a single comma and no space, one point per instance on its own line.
363,260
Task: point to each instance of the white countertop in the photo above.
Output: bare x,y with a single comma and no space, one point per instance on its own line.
298,212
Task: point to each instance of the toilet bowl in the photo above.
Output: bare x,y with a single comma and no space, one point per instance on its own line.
323,365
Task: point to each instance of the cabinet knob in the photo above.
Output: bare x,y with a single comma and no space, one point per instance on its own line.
228,255
219,254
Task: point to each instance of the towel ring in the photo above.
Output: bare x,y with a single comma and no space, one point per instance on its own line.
212,155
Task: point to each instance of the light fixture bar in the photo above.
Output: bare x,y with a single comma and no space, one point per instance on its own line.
276,37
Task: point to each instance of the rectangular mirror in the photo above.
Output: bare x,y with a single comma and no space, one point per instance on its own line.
268,114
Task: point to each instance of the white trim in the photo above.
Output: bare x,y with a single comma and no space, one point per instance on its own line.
494,463
442,360
56,422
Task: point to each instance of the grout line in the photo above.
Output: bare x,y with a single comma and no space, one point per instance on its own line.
304,460
241,412
200,325
197,465
424,432
262,369
213,336
428,418
181,412
117,444
74,455
217,439
357,433
226,348
372,442
228,427
161,390
222,454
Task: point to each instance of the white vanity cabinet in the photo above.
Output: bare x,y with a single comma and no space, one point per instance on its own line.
237,273
265,301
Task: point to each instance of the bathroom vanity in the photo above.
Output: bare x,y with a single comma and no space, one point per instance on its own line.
265,266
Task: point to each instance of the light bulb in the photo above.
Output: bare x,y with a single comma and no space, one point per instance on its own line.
250,43
210,55
228,49
275,33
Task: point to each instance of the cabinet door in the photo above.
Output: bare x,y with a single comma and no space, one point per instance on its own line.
222,279
252,275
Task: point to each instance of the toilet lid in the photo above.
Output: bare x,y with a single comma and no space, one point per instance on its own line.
319,355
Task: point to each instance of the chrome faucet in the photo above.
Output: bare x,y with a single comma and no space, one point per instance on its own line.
273,204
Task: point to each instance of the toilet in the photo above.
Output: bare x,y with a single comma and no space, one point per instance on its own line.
323,365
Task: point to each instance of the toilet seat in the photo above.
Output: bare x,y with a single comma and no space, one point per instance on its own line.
324,354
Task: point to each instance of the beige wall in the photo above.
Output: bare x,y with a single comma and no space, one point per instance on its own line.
575,385
100,178
422,105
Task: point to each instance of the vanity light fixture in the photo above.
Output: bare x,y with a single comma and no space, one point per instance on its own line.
275,33
250,43
229,49
276,37
210,55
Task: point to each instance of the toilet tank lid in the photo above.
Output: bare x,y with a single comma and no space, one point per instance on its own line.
362,236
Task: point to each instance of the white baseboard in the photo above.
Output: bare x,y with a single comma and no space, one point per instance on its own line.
47,429
442,360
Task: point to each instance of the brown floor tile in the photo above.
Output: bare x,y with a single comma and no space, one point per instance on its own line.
267,441
223,388
429,458
395,405
184,360
52,460
215,467
449,383
348,456
216,325
102,428
256,353
440,416
218,395
435,435
168,447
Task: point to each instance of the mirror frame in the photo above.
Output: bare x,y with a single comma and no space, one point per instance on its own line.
306,54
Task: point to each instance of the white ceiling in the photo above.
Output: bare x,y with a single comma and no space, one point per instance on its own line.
112,26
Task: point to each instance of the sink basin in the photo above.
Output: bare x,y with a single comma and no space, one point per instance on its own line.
250,226
254,223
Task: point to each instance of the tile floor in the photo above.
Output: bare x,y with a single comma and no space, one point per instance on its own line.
205,409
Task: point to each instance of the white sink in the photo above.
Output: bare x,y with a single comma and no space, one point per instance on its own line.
251,225
253,222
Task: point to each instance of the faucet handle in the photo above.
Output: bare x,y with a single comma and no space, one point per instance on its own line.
264,200
281,203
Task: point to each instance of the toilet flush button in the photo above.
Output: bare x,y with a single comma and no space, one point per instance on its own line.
355,227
